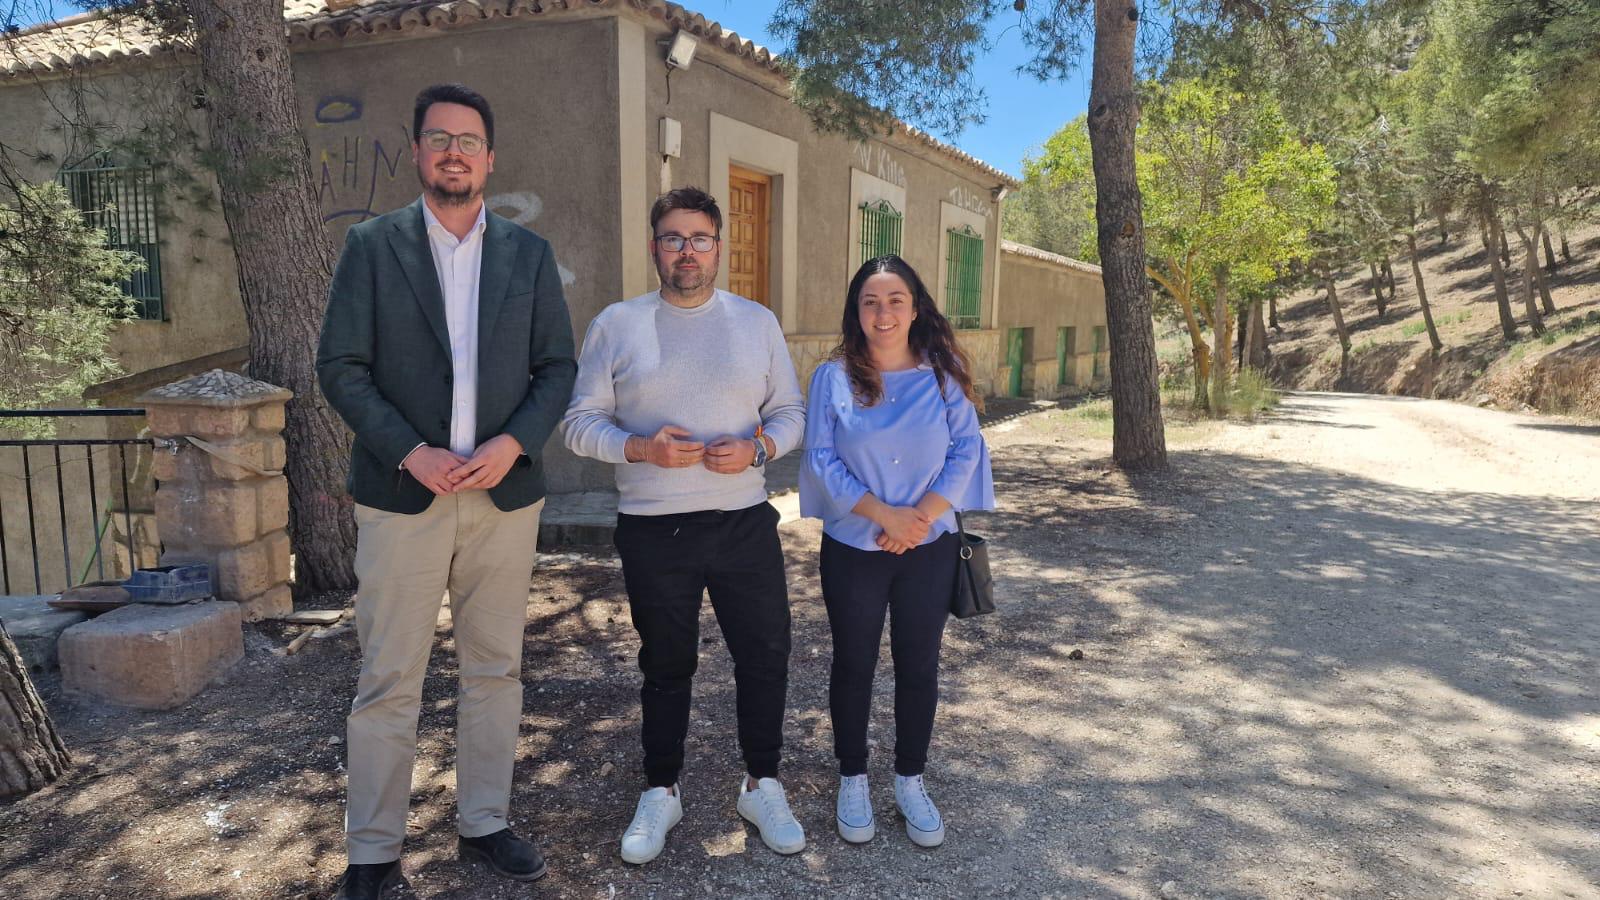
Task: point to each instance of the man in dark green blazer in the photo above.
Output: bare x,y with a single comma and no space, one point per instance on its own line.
448,350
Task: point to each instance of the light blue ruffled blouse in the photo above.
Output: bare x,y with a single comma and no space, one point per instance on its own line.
914,440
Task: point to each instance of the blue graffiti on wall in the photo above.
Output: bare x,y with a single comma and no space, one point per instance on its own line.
334,110
352,161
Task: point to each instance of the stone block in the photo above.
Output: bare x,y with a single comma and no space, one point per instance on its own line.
209,422
264,453
228,516
279,561
164,465
35,627
275,603
152,657
272,501
242,572
267,417
177,511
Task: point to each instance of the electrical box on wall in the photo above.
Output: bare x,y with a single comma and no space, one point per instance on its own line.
671,137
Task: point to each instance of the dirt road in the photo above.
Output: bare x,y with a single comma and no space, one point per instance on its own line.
1347,651
1350,650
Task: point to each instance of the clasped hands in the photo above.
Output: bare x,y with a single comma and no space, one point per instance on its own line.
671,448
904,528
444,472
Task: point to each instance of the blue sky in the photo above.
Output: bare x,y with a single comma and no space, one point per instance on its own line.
1022,112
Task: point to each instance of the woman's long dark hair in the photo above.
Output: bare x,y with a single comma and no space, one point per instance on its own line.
931,337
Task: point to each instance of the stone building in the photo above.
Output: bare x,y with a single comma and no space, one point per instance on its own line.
592,123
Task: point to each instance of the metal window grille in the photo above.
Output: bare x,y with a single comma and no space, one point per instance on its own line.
880,230
121,201
963,289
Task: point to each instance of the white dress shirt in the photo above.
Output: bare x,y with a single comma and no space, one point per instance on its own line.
458,263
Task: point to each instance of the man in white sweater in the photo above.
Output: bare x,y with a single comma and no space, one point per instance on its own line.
690,392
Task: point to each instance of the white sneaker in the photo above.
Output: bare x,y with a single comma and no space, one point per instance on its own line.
659,809
768,809
854,810
923,823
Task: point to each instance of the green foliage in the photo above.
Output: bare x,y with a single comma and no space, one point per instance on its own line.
855,63
1054,208
1252,394
1412,329
1228,186
60,299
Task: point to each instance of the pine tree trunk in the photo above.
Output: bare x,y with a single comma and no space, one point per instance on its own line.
1222,338
1332,297
31,753
1272,315
1550,263
1505,245
1202,376
1566,250
1377,288
1546,302
1530,268
1422,292
1238,346
1502,298
285,263
1257,354
1138,439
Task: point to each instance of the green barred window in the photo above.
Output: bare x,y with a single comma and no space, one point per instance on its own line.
880,230
121,201
1099,351
963,287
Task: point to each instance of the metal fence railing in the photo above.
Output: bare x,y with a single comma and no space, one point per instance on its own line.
60,502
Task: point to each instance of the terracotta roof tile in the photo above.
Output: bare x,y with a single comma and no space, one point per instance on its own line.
1047,256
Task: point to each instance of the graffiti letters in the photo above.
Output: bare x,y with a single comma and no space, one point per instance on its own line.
352,162
875,160
970,200
522,207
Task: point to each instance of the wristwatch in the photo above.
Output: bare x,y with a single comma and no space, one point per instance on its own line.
761,453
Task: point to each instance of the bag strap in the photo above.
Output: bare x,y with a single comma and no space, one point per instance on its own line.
961,531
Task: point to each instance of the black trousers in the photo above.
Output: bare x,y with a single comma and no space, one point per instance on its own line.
669,563
859,588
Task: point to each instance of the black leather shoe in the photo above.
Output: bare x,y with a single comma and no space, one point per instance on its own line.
367,881
508,855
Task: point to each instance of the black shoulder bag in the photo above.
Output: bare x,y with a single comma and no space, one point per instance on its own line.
974,593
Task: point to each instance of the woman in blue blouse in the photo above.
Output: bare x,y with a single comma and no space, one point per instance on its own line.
892,448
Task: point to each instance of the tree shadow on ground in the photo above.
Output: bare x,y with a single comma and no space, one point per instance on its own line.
1316,589
1358,641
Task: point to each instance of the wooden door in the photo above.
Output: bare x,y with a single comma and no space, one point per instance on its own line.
749,232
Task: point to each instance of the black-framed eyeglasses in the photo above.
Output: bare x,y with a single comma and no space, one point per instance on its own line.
673,243
439,140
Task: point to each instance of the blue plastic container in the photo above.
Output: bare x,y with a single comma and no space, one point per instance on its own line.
170,584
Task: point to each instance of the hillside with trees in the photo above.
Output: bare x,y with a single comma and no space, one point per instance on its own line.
1398,200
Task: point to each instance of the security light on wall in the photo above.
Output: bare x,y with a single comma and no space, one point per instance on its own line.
999,192
680,52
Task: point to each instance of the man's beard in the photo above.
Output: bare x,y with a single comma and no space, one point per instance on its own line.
447,196
688,281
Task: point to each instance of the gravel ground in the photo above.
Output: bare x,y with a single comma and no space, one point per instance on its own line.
1346,651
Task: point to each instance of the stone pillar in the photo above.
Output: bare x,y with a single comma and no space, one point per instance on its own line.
222,498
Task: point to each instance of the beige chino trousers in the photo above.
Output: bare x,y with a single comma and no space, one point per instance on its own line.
484,558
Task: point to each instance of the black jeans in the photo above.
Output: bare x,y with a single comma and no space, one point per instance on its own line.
669,563
859,587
